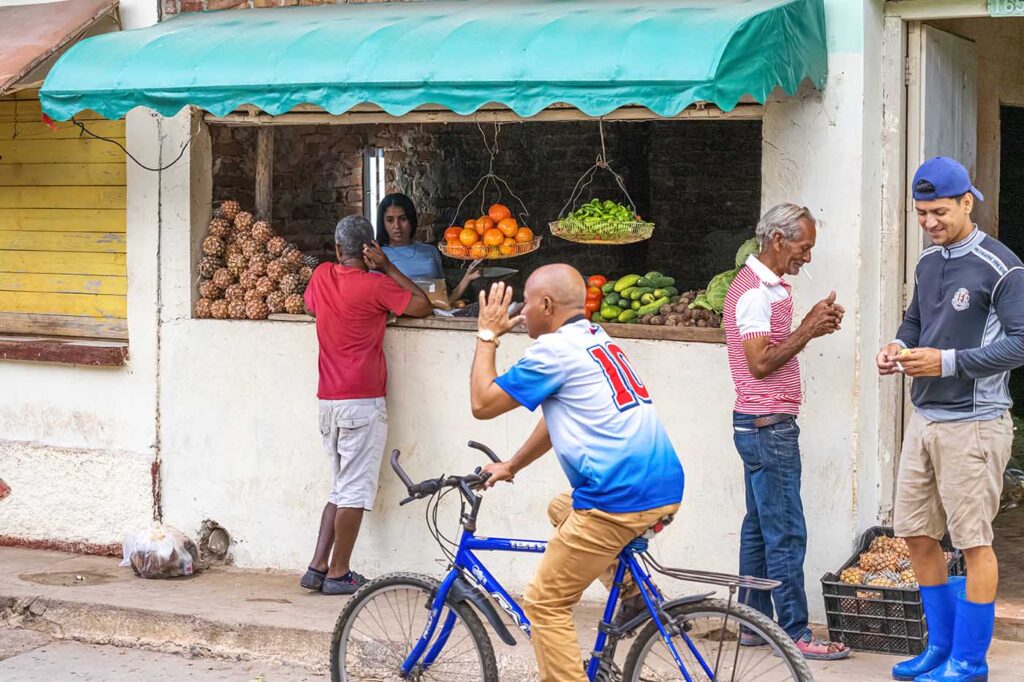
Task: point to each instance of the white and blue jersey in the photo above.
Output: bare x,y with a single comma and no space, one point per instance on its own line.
604,429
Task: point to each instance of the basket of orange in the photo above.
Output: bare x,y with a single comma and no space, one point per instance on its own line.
495,235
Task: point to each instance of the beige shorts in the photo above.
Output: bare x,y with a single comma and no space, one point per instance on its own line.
354,432
951,473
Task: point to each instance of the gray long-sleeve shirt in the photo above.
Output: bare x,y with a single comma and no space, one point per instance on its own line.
969,303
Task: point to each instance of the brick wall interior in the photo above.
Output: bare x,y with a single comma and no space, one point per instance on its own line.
698,181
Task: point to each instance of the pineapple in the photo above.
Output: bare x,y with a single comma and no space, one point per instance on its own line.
852,576
310,261
235,292
275,301
233,249
223,278
258,264
208,289
202,309
907,577
262,232
248,279
887,545
228,209
305,273
253,295
209,265
219,227
213,246
264,286
257,310
293,304
289,283
275,246
236,310
874,562
276,270
250,247
293,256
219,310
244,221
237,264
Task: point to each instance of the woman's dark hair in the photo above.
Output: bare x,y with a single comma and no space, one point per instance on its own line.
401,201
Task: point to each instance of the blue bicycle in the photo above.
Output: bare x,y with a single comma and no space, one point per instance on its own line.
405,626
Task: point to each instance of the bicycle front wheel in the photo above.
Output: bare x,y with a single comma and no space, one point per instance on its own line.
382,622
711,650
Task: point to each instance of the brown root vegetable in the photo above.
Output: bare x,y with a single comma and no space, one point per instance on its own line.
646,319
702,323
656,320
666,309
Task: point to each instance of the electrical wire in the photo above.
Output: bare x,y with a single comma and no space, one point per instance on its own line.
138,163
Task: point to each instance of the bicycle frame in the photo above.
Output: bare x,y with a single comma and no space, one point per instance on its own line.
468,564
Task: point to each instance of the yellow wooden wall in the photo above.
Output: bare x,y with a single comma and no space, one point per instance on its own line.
62,225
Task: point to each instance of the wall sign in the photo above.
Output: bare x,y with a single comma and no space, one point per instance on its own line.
1006,8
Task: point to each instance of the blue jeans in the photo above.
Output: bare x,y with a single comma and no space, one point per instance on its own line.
773,539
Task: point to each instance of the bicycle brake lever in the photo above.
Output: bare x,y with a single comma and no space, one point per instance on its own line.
406,501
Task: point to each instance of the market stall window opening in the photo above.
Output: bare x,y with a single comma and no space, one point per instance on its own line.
373,182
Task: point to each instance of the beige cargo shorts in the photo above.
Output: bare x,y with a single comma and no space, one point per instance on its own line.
354,433
951,474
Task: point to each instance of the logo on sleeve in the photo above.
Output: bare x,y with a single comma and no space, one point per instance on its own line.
961,299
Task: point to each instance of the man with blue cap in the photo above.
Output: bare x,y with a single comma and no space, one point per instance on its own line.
960,337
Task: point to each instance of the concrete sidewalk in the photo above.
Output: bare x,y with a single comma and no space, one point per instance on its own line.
242,615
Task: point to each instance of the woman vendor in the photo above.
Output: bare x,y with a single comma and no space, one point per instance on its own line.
396,225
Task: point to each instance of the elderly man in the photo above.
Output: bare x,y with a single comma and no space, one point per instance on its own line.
607,436
762,349
351,306
960,337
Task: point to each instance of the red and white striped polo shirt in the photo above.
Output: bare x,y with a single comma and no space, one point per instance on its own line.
760,303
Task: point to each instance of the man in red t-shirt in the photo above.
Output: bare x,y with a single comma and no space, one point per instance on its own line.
351,306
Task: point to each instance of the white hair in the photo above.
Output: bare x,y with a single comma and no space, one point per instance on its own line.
783,219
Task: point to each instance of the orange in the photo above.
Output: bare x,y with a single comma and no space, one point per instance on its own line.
457,250
494,253
468,236
470,225
508,227
484,223
508,247
524,234
478,251
452,234
493,237
498,212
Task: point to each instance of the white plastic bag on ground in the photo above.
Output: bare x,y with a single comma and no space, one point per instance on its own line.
160,551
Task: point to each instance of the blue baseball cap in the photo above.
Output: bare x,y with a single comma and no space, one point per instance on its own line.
942,178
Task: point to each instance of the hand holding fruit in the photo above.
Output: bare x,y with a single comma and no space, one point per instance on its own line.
886,359
494,310
473,273
824,318
921,362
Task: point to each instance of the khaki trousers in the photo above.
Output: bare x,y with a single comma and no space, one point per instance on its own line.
583,548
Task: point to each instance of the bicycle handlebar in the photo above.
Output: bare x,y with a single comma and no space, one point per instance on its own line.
432,485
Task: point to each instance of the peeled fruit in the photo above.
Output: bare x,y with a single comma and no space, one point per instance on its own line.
524,234
468,236
484,223
457,250
452,234
478,251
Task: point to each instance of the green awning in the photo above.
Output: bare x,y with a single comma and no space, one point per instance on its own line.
596,55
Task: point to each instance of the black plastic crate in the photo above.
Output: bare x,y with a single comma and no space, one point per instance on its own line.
887,620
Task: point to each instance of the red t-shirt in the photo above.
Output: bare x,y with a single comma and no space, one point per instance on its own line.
351,308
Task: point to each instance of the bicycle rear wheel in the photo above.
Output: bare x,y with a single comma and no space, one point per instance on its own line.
715,638
382,622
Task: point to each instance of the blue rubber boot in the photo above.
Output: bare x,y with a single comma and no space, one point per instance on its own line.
972,635
939,603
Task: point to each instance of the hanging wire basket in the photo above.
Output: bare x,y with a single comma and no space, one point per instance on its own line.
598,229
479,250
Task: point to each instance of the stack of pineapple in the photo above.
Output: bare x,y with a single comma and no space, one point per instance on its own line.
247,271
885,564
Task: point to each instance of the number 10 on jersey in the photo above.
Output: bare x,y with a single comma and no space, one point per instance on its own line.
628,391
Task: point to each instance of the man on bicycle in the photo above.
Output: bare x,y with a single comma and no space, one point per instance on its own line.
608,438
